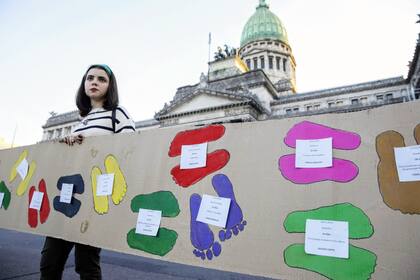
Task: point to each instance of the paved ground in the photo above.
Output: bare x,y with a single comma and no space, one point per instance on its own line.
20,255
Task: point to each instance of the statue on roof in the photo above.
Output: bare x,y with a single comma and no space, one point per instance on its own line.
222,54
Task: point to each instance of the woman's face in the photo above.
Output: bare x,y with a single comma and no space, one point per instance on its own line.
96,84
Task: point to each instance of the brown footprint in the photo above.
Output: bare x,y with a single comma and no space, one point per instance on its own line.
402,196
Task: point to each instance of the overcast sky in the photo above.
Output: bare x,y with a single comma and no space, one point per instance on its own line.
156,46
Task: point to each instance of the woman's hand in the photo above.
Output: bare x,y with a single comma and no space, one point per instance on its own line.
70,140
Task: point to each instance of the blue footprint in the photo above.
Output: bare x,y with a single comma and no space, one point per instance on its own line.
202,237
69,209
235,221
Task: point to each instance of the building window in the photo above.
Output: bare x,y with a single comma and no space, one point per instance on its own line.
255,63
270,62
248,63
330,104
284,64
309,108
277,44
363,100
317,106
339,103
262,43
380,97
388,96
262,62
288,111
354,101
278,63
296,109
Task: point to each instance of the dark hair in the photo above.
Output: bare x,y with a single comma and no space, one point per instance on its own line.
111,97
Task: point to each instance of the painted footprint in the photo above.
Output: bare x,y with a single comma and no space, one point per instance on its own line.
69,209
201,236
165,239
401,196
23,185
45,206
215,160
189,137
341,139
101,204
120,185
361,262
235,220
7,195
187,177
342,170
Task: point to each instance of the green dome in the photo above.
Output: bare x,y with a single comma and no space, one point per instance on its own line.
263,25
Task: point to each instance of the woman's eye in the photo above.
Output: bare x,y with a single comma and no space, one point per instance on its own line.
89,78
102,79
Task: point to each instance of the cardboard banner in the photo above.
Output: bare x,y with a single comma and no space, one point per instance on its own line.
269,201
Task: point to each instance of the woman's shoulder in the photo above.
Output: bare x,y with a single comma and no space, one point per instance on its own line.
122,111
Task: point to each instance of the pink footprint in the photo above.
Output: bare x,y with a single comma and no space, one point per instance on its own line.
342,171
343,140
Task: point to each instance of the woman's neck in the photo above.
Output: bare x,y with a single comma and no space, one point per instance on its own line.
96,104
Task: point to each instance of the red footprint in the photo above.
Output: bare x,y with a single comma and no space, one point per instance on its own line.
32,213
196,136
186,177
45,206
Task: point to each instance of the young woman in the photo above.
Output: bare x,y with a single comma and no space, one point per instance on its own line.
97,100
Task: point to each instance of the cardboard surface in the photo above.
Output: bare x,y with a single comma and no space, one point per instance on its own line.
263,194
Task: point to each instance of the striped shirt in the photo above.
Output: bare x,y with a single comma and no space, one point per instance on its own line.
99,122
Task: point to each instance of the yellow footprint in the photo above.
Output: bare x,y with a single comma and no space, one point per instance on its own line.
13,172
120,186
100,202
21,189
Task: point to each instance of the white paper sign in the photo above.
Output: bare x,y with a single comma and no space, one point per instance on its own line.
193,156
314,153
104,184
327,238
214,210
407,160
1,199
66,193
36,200
22,168
148,222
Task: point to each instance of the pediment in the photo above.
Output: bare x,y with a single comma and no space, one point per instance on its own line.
202,101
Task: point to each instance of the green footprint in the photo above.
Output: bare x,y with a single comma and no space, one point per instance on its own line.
165,239
7,196
164,201
361,262
159,245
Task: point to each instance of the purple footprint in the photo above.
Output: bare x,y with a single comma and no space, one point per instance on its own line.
235,220
202,237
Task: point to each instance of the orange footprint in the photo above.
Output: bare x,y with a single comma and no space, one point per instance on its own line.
402,196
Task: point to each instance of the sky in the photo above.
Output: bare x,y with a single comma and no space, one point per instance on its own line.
156,46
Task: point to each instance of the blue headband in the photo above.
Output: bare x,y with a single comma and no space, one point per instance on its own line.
103,66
